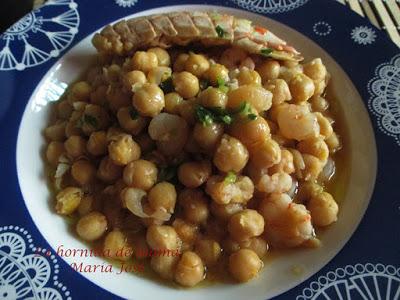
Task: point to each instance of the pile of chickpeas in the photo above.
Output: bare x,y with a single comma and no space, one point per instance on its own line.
218,154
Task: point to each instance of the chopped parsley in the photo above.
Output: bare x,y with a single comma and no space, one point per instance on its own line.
167,85
207,116
220,31
252,116
245,110
222,85
133,113
230,178
90,120
266,51
204,116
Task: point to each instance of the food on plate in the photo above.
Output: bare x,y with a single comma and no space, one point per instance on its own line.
200,134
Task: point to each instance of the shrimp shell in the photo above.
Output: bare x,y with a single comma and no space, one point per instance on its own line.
182,28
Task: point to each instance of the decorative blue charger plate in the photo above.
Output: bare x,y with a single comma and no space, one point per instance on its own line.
367,267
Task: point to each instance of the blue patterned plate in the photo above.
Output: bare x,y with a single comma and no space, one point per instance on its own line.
360,257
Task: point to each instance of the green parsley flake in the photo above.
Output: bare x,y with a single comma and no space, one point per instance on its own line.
230,178
204,116
222,85
266,51
220,31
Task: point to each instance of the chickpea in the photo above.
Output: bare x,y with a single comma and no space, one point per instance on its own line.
301,87
194,174
56,132
213,97
99,95
247,76
209,251
116,245
162,237
162,196
258,97
133,79
179,64
195,205
164,265
141,248
319,104
230,245
250,133
315,69
325,127
186,110
159,74
113,133
172,102
225,211
266,154
141,174
75,146
244,265
323,209
64,110
123,150
117,97
68,200
72,129
217,72
333,142
108,171
314,146
162,56
268,70
144,61
53,152
246,224
91,226
197,64
280,91
81,90
130,120
189,270
145,142
187,232
83,171
88,204
231,155
186,84
149,100
257,244
97,143
208,137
